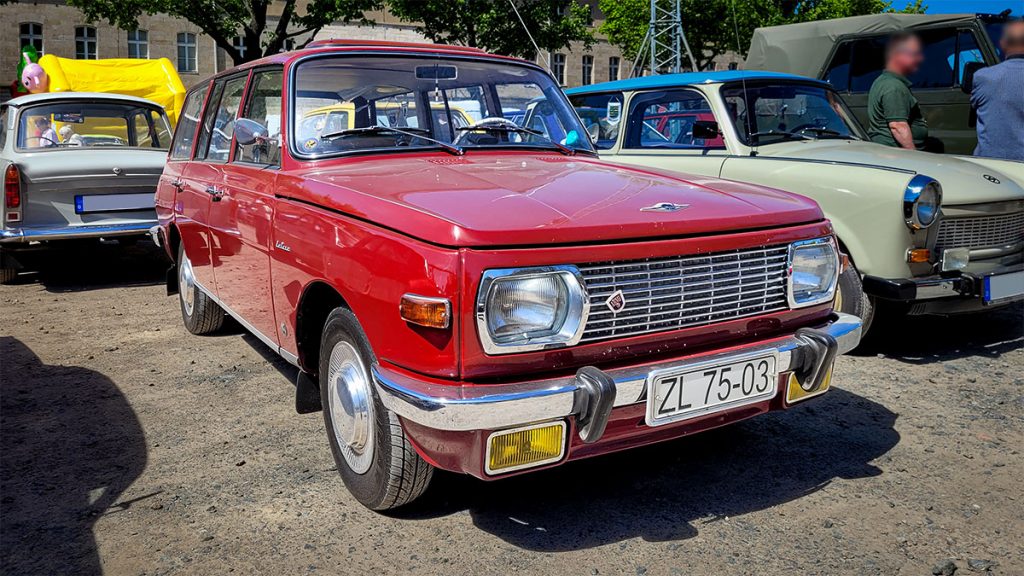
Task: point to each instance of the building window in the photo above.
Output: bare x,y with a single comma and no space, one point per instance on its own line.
558,68
138,44
31,34
588,70
187,52
734,65
613,68
85,43
238,43
289,44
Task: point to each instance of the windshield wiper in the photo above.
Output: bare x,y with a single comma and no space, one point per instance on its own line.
411,132
774,132
827,132
508,126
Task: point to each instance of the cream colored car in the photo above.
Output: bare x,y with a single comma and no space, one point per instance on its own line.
936,234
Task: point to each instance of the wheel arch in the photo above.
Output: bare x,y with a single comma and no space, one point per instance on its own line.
317,301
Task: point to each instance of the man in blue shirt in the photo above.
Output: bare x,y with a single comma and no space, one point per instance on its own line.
998,96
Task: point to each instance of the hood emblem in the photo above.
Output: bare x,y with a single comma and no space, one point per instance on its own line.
665,207
992,179
616,302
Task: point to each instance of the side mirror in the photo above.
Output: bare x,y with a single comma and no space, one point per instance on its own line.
967,83
248,131
705,130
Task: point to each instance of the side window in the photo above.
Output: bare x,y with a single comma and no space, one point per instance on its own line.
185,135
868,63
264,106
218,126
838,72
601,115
939,59
3,126
967,52
664,120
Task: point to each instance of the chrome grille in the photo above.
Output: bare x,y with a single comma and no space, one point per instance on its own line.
981,231
671,293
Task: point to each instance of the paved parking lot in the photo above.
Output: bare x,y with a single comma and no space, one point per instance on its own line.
132,447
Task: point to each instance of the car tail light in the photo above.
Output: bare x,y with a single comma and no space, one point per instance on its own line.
12,193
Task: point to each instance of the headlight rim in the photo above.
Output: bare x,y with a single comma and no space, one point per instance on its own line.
831,294
911,197
572,327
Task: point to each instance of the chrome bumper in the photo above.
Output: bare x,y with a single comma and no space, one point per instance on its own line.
24,235
591,393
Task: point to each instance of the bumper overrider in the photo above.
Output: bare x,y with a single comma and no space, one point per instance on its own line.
587,399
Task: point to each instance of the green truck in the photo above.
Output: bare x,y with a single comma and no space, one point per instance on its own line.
849,53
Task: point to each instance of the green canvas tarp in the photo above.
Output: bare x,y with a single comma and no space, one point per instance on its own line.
804,48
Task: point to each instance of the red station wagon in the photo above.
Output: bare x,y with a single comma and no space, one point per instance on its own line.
483,299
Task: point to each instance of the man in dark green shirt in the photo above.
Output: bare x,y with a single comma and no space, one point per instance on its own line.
894,117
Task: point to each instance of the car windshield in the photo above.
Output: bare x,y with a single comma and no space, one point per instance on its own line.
345,104
93,124
787,111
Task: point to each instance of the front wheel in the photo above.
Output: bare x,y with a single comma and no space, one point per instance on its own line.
375,460
199,312
851,299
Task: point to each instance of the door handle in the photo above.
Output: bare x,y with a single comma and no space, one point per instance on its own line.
178,184
215,192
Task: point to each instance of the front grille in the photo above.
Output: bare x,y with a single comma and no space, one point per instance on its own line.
981,231
670,293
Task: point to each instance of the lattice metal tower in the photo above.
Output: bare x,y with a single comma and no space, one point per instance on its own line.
665,41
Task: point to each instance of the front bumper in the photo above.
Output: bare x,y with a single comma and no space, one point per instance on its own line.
955,292
591,394
26,235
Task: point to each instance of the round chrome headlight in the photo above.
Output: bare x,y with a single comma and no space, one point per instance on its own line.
526,309
921,202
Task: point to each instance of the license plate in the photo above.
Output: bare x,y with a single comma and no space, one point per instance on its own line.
113,202
679,393
1004,286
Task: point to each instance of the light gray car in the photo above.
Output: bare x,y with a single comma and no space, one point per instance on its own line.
77,165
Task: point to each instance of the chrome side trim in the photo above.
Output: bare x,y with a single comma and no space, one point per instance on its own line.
288,356
14,235
458,407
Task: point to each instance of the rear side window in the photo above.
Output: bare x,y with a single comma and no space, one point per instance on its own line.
185,135
664,120
264,106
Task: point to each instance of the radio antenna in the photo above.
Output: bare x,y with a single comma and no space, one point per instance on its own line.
530,36
743,79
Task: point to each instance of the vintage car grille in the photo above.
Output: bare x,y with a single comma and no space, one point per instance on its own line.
981,231
669,293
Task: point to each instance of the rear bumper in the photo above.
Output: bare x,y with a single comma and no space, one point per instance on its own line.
587,398
25,235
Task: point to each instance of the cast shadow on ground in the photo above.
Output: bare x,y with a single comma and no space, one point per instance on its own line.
91,265
70,444
669,491
930,339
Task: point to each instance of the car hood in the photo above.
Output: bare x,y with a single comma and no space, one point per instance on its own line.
963,181
504,199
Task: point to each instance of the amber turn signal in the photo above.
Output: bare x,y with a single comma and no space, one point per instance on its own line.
918,255
527,447
426,311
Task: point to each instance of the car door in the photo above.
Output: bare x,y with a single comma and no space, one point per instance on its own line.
241,219
205,173
186,200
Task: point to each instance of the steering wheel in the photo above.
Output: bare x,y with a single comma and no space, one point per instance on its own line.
41,138
466,134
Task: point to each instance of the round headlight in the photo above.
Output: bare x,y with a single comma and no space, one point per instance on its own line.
531,308
921,202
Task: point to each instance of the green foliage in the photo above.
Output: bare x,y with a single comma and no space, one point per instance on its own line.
714,27
225,19
494,26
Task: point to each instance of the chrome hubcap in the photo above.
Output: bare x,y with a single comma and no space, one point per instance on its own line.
352,417
186,284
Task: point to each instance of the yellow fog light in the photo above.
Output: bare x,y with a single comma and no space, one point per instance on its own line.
520,448
795,392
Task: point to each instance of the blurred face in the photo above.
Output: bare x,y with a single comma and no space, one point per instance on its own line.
1013,38
906,57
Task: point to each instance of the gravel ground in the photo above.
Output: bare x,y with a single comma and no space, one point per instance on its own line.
132,447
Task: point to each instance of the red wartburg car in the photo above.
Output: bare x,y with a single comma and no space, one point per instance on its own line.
462,292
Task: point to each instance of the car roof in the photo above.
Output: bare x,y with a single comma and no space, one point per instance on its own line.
52,96
686,78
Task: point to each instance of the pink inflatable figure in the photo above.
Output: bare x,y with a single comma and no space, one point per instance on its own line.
34,78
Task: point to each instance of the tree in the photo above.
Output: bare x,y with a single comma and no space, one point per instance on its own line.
494,26
223,20
714,27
